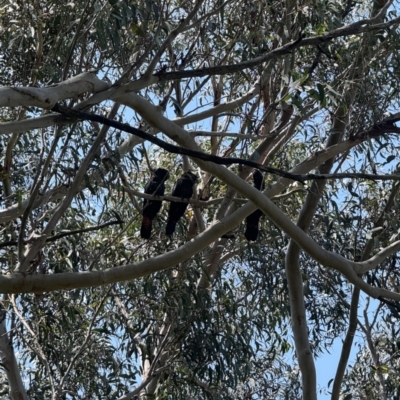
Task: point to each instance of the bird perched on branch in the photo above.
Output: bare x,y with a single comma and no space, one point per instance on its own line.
156,187
252,220
183,189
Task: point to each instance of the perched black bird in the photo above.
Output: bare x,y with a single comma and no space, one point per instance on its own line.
183,189
156,187
251,232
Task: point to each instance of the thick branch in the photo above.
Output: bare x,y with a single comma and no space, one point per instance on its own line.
356,28
66,281
9,362
48,96
347,344
228,160
365,266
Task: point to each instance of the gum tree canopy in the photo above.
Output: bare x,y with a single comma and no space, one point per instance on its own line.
100,99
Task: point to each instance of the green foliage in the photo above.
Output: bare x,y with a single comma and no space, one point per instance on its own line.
218,324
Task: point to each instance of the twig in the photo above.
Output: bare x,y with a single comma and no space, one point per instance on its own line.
63,234
385,127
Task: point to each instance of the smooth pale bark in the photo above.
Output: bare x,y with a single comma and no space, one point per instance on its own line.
299,322
294,275
347,344
9,363
15,283
47,97
353,317
16,210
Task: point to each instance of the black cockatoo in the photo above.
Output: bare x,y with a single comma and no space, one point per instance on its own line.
156,187
183,189
252,220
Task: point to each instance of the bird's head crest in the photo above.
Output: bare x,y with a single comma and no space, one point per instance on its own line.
161,173
190,175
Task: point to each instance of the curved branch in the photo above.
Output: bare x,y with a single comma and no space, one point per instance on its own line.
365,25
15,283
172,35
365,266
48,96
224,107
347,344
352,29
226,160
19,283
25,125
9,361
326,258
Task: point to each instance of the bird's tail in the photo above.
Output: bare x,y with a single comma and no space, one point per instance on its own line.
251,233
170,228
145,230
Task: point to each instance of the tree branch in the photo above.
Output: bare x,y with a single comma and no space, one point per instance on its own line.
9,362
64,234
378,129
358,27
48,96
